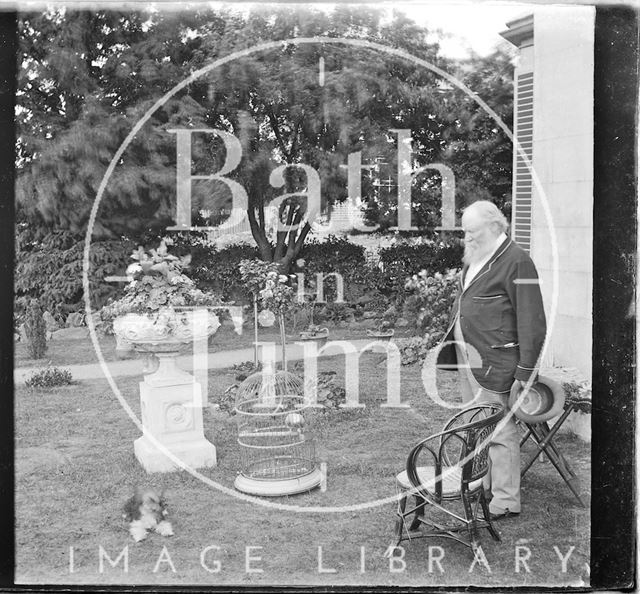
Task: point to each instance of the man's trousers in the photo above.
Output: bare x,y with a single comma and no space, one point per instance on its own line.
503,478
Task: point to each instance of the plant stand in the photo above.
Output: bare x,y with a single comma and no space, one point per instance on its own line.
382,339
171,411
320,338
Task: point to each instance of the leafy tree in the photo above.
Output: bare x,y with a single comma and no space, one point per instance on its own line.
87,78
481,153
284,115
459,133
75,112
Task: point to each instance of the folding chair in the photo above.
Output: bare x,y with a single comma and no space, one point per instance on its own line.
446,468
542,435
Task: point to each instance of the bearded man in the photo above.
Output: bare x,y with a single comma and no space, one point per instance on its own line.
495,337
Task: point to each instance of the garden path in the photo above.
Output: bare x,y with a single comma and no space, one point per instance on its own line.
216,360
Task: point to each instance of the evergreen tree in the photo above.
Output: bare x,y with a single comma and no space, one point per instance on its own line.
88,77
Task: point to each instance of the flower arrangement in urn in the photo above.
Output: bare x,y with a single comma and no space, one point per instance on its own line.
161,303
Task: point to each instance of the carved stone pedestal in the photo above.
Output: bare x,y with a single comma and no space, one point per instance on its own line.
171,406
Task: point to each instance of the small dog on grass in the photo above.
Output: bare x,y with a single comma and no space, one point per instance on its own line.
146,510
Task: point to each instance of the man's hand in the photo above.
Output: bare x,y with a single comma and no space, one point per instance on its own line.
521,385
518,384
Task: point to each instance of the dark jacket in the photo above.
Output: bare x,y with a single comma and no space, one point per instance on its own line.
501,318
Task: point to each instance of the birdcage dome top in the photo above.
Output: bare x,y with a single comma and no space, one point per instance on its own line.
270,392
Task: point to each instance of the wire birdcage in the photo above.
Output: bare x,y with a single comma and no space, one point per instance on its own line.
277,450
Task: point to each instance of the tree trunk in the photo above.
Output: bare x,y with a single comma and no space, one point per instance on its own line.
283,341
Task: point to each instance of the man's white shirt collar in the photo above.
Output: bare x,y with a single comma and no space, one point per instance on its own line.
477,266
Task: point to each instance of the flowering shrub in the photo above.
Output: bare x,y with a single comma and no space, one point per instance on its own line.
254,274
331,394
272,289
158,285
580,393
429,301
277,294
414,349
49,377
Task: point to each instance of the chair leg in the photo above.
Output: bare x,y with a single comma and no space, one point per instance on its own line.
474,538
487,517
415,524
402,504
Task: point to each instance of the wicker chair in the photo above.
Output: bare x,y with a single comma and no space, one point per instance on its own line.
444,471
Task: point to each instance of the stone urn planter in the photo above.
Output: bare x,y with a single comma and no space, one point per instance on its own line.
319,335
382,335
170,398
165,334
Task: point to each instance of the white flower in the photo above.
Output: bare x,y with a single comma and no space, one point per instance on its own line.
133,268
282,278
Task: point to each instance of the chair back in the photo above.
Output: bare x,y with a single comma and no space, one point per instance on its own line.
466,437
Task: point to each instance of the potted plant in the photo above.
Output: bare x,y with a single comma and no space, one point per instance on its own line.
385,332
161,311
316,333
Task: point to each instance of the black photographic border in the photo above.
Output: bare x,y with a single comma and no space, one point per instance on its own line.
615,216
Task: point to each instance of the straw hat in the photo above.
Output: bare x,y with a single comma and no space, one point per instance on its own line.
541,402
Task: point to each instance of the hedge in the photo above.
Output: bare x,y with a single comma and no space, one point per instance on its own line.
51,269
405,259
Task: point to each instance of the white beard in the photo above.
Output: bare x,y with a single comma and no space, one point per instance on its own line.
471,255
475,254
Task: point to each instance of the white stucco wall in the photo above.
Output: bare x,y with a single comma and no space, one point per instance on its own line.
563,162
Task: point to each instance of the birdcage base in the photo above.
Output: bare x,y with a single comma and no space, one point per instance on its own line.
197,453
279,487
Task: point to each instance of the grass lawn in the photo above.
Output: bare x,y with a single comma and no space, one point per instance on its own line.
75,467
